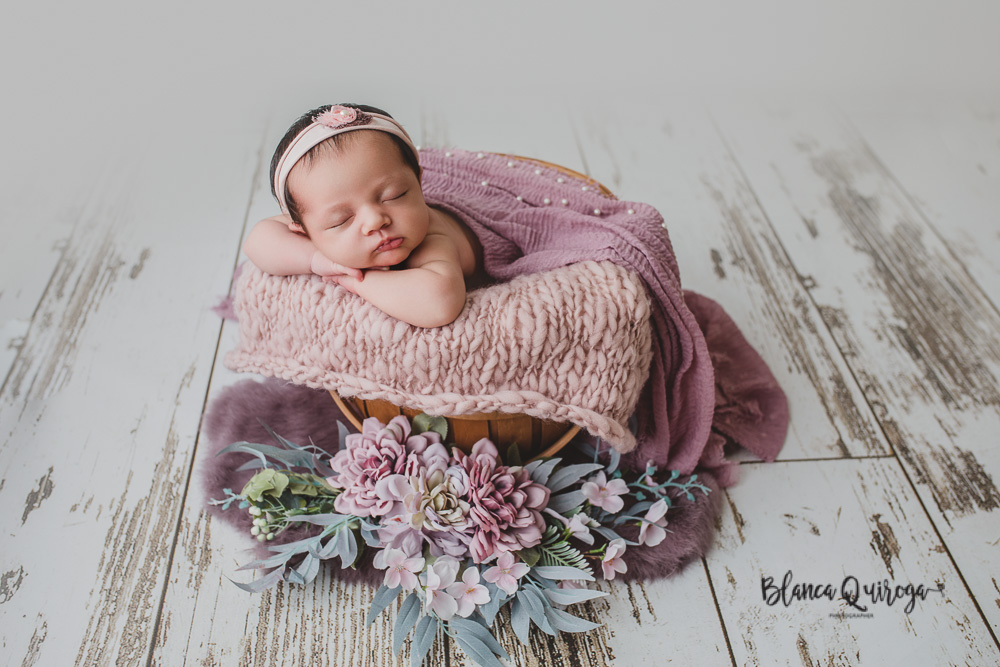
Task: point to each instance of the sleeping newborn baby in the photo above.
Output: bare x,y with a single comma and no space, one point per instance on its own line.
354,213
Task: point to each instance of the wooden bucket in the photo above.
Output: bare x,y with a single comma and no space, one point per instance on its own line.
535,437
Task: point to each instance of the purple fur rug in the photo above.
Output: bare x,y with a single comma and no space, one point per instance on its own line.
299,414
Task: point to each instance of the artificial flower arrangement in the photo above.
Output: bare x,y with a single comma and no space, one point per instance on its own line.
461,535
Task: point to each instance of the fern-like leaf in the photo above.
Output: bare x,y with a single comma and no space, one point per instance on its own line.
556,551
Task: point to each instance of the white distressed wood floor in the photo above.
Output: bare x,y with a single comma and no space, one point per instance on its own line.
857,247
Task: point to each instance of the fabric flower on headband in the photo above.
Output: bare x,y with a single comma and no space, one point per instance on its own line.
341,116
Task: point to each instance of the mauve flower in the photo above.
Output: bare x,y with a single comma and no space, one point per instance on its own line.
612,562
468,593
378,453
651,532
601,493
506,505
506,573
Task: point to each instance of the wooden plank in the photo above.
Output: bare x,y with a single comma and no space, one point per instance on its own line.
102,404
953,180
922,339
826,521
671,157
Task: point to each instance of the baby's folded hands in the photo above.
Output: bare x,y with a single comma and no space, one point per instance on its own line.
328,269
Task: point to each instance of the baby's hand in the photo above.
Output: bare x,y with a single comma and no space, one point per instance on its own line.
322,266
350,283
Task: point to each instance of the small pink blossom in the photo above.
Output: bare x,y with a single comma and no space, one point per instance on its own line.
438,577
612,562
336,116
651,532
648,480
599,492
402,570
579,527
468,593
506,573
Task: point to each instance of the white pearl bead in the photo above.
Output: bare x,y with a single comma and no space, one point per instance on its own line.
520,198
538,172
597,211
510,164
585,188
547,200
417,147
565,202
485,183
560,180
631,211
479,155
448,154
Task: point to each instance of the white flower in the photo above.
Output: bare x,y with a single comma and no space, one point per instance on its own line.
651,532
612,562
602,493
506,573
468,593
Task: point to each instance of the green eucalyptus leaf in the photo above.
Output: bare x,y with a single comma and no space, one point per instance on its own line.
407,617
425,422
383,598
423,639
530,556
266,482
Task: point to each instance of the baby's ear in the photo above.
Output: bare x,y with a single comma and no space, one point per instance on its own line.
296,227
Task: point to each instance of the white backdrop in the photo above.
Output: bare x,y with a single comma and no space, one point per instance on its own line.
76,75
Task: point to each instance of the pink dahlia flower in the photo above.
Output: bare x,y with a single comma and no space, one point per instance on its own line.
377,453
505,505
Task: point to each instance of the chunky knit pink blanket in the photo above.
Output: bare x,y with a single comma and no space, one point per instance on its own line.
567,345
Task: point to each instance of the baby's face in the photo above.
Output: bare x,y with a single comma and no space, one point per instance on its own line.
356,199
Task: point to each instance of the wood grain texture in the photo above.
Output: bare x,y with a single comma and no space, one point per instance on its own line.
921,337
102,403
953,178
827,521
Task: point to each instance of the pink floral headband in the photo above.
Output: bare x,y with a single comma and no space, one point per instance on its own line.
335,120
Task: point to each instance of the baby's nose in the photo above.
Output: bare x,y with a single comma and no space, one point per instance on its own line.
376,219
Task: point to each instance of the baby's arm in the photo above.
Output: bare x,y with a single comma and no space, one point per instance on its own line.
430,293
274,248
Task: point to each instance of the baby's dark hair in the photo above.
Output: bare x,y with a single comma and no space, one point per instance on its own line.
334,142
